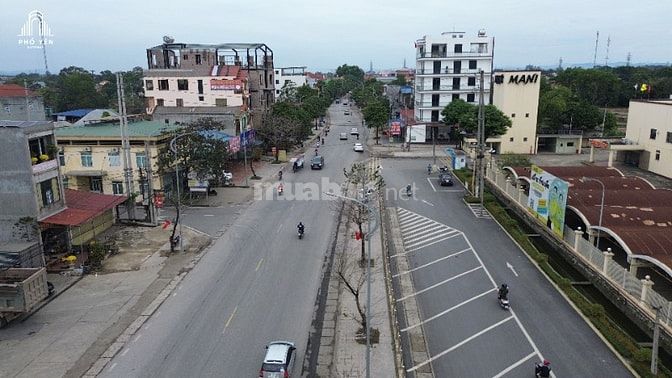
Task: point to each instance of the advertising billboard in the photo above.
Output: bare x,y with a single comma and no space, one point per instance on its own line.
548,199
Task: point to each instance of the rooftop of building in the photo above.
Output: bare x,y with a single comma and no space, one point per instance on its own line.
27,127
74,112
14,90
662,101
217,46
168,110
136,130
83,206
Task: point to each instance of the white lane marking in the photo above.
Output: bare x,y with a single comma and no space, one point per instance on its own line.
468,339
448,310
112,366
259,264
425,230
430,183
428,203
431,263
124,352
425,234
412,221
414,244
137,338
439,283
407,251
208,215
230,319
415,225
279,228
174,294
520,325
508,265
501,373
451,190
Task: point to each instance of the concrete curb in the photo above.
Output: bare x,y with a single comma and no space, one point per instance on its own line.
419,350
131,330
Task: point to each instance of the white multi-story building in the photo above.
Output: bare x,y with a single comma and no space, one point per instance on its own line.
447,68
285,75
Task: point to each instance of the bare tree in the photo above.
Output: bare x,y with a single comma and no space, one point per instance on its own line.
353,277
366,182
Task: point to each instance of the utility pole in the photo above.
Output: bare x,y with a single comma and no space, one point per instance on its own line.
126,147
25,88
151,210
481,136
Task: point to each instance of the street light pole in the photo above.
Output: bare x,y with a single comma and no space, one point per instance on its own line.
173,148
370,230
599,226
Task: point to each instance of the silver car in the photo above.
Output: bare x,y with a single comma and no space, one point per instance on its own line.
279,360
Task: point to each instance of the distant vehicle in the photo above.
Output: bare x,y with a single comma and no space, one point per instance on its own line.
354,131
347,112
22,291
279,360
358,147
338,101
445,179
343,136
317,162
345,103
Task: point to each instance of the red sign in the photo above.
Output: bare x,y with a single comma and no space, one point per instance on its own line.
225,85
599,143
395,128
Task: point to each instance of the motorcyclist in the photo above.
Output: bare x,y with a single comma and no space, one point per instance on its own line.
408,189
300,227
281,189
429,168
503,292
280,175
295,167
543,369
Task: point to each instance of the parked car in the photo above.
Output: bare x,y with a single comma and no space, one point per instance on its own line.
358,147
347,112
354,131
343,136
445,179
279,360
317,162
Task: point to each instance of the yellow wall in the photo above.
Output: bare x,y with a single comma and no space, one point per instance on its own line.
89,230
521,99
101,162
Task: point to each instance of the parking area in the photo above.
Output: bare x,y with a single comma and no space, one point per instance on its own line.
457,298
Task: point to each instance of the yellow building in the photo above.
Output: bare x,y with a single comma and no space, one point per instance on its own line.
91,156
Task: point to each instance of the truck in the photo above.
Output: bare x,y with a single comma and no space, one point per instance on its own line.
21,291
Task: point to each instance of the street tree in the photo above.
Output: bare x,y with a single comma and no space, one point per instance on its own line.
376,114
366,183
464,116
280,130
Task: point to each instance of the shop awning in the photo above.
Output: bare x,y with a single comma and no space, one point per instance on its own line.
83,206
86,173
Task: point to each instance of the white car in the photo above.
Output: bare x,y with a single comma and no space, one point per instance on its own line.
358,147
354,131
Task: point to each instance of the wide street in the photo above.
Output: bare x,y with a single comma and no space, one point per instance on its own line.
258,282
458,257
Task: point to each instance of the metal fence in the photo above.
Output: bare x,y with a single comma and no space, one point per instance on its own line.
620,276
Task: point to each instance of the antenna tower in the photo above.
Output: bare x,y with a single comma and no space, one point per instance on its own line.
627,59
606,57
560,63
597,39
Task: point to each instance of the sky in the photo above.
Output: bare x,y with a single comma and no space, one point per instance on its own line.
113,35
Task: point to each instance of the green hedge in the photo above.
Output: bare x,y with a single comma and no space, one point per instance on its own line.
638,357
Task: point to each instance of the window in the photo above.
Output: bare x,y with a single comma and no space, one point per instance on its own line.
653,133
185,57
47,193
570,144
527,115
457,66
65,181
182,84
220,102
668,139
657,154
87,159
179,102
140,159
472,64
435,116
471,81
113,158
456,96
513,115
159,102
456,83
277,82
163,85
200,86
96,184
201,98
117,187
61,158
470,97
149,85
458,48
198,59
525,139
143,187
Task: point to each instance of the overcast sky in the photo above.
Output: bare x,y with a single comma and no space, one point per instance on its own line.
113,34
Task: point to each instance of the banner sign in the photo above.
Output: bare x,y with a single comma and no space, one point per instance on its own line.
548,199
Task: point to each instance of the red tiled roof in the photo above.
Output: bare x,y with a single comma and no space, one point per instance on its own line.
13,90
83,206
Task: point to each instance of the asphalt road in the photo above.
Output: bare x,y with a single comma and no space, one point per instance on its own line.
457,260
257,283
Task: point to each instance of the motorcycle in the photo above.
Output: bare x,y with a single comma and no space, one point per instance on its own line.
541,370
409,191
443,169
280,190
300,232
503,302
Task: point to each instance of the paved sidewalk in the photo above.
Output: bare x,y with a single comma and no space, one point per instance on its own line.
393,150
52,341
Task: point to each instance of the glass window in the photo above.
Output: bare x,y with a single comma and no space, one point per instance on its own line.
47,193
182,84
113,157
149,85
471,81
472,64
470,97
96,184
87,159
657,154
117,187
61,158
652,133
141,160
66,181
669,137
163,85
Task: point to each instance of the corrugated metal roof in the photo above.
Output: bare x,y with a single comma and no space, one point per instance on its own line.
75,113
83,206
141,129
13,90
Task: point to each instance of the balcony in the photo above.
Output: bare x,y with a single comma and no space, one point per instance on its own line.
447,88
448,71
45,166
452,55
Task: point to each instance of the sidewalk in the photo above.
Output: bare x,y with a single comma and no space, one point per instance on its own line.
393,150
56,340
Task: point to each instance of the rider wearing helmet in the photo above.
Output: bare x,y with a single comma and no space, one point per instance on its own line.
301,227
503,291
543,370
